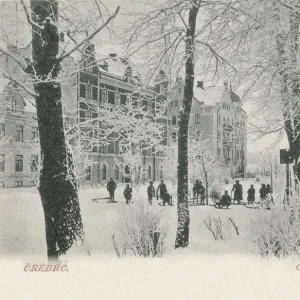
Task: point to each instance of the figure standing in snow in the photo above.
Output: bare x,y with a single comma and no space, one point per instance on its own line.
150,192
162,188
202,193
263,192
251,194
238,191
196,190
111,187
127,193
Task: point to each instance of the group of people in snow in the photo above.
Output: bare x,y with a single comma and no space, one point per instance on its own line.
198,191
265,192
161,190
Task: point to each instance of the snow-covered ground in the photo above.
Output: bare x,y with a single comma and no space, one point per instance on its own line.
23,231
206,269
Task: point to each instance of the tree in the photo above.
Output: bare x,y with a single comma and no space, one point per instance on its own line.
173,37
57,185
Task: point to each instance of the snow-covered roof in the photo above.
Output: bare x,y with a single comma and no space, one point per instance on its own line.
29,105
3,83
208,96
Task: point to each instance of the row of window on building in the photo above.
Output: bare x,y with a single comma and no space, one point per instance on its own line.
228,121
102,172
228,107
230,154
18,183
19,163
230,137
103,95
19,132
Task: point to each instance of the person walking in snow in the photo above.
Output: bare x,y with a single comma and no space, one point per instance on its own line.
166,198
127,193
150,192
111,187
263,192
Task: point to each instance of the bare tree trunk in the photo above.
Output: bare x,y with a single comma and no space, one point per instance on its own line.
182,236
58,187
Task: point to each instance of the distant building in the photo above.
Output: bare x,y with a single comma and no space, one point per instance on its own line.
216,113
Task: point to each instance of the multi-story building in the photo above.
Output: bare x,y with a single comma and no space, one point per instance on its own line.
218,115
111,82
18,139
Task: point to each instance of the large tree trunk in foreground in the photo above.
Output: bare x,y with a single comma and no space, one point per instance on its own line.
57,187
182,236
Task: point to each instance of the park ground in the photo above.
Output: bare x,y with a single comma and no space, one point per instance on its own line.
207,269
23,231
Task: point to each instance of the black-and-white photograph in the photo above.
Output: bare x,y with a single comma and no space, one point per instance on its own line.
151,132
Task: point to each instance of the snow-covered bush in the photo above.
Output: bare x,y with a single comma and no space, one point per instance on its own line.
139,230
220,228
276,232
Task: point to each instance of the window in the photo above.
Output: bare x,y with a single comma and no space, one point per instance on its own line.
19,163
219,136
19,133
19,183
176,103
173,120
2,130
219,119
149,172
123,99
34,163
237,154
161,173
103,149
1,184
197,119
82,90
88,173
103,95
88,91
95,93
145,105
224,105
35,133
207,110
2,162
13,106
117,172
224,121
111,97
174,136
219,152
103,172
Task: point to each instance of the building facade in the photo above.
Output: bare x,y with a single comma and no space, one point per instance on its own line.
218,115
111,83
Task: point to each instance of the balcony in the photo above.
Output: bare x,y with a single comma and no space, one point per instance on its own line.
228,143
228,127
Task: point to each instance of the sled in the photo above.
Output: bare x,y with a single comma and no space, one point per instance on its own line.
112,202
98,199
257,206
161,204
221,207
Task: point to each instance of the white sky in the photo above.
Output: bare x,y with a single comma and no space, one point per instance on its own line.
106,44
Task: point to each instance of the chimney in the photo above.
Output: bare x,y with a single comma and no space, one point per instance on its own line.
104,66
226,85
113,55
200,85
